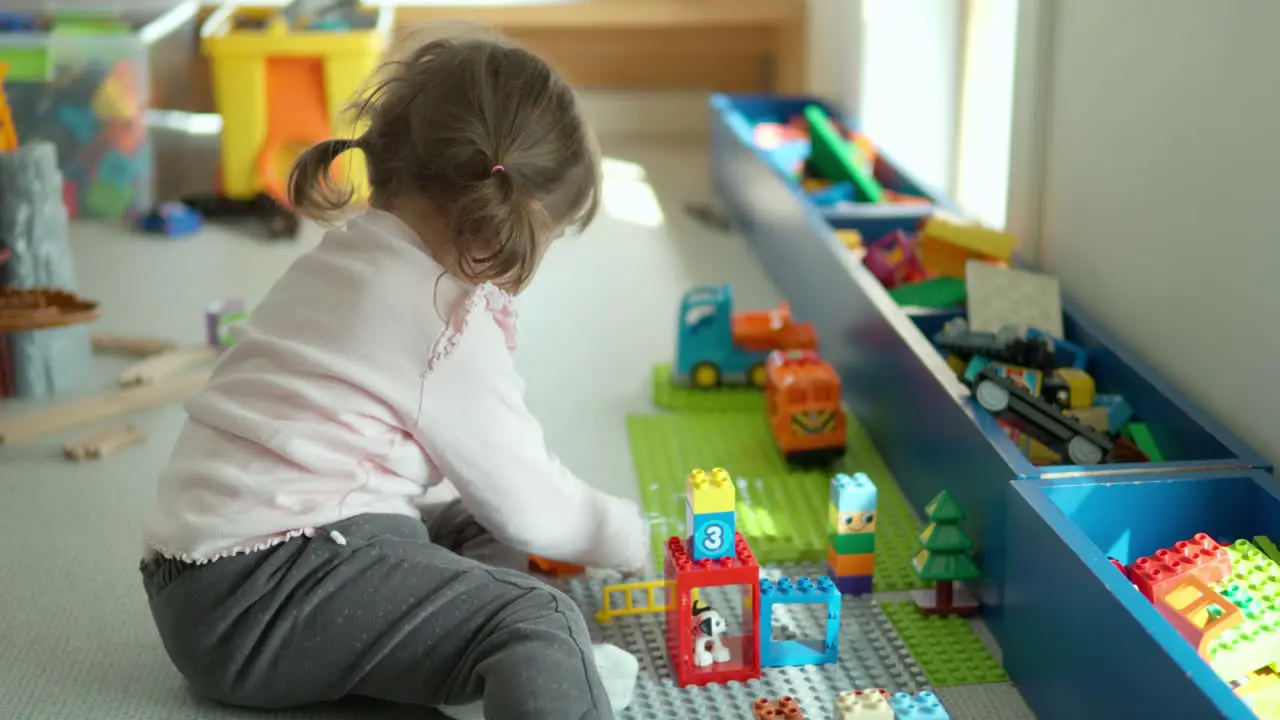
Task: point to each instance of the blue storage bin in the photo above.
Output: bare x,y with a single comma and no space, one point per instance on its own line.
742,113
1073,621
920,417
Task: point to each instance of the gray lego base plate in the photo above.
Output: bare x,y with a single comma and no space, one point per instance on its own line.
871,655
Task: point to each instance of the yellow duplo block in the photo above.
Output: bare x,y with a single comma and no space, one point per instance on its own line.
711,492
947,246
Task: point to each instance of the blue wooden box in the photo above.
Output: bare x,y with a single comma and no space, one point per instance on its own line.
1188,437
1073,622
931,435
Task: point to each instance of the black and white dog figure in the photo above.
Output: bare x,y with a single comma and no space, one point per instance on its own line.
708,626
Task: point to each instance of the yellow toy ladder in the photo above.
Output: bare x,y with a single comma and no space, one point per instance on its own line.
8,133
650,589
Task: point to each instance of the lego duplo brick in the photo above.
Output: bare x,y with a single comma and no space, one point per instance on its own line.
1252,584
945,647
780,510
788,652
850,565
33,226
1156,574
923,705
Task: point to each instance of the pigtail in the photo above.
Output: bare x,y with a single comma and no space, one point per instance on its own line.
313,191
500,228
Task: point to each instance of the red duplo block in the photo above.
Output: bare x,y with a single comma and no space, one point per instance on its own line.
1200,556
685,574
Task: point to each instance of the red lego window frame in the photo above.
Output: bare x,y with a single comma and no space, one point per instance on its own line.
684,575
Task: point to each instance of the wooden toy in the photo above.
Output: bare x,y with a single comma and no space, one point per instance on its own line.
103,442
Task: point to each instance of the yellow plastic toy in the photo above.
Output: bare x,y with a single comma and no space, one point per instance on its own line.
947,246
629,590
711,492
8,133
281,89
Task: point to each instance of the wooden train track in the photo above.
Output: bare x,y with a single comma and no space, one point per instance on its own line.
42,309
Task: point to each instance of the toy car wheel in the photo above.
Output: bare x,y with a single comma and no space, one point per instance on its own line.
757,375
705,375
993,398
1082,451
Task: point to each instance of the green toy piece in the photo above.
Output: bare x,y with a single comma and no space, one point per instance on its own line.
940,292
833,156
945,558
1140,434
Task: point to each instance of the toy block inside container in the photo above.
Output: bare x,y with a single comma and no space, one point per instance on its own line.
808,651
1189,628
946,246
851,528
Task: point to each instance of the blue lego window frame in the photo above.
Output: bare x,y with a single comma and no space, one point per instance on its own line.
796,653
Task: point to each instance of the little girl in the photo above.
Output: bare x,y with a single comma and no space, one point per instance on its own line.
352,492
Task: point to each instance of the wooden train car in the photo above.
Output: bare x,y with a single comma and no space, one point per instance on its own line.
802,399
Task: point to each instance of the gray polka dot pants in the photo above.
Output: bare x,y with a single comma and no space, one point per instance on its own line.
390,615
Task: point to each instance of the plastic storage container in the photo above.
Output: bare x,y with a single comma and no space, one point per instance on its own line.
742,113
82,80
281,89
1075,621
932,435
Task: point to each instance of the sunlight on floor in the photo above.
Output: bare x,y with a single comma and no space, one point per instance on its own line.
628,196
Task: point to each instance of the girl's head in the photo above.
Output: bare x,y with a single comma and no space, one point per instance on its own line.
477,135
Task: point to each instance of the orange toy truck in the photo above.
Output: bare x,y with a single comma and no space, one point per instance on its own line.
802,400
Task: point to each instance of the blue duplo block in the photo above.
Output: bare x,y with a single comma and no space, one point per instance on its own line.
790,653
710,534
1071,621
923,705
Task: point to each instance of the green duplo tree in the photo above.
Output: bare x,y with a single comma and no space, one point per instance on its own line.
946,555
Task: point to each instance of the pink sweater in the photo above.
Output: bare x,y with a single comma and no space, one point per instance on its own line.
349,391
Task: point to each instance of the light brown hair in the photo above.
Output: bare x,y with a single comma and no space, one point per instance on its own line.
484,131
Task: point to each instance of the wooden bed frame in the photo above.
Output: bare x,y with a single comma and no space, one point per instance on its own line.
629,45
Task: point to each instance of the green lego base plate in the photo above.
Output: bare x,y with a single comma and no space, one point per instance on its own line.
781,511
669,395
945,647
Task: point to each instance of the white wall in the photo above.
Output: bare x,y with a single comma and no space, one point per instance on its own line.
1161,198
835,50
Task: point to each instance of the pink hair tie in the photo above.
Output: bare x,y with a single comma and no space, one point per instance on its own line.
497,169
